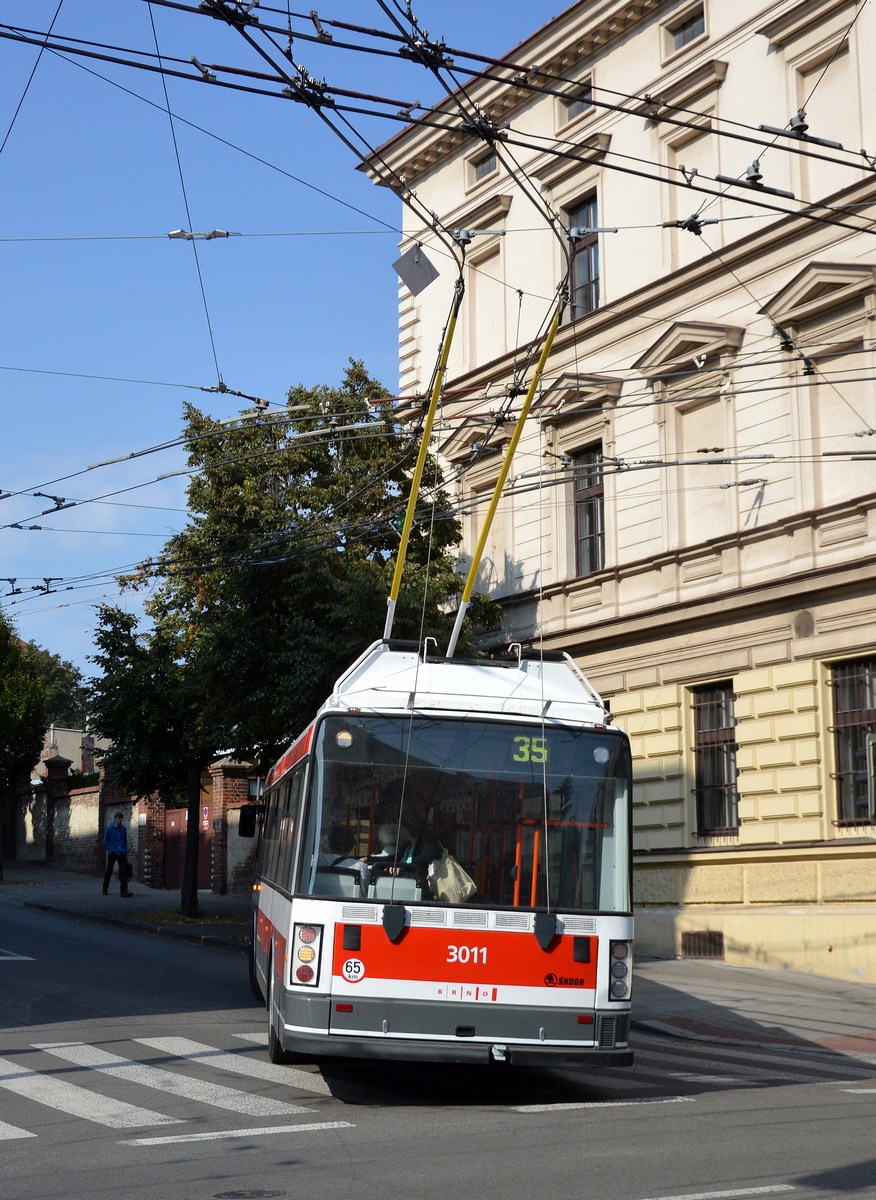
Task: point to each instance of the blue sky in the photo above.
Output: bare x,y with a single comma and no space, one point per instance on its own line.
103,330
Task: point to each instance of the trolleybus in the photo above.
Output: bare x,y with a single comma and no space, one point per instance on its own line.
512,767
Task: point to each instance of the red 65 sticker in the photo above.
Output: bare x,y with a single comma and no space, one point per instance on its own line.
353,970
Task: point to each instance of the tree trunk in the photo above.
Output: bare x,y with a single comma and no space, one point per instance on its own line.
188,900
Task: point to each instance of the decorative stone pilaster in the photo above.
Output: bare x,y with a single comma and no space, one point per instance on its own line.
151,841
57,792
230,790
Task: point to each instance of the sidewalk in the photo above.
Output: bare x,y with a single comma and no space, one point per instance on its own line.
701,1000
709,1001
223,920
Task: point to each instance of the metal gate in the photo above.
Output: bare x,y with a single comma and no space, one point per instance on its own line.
175,826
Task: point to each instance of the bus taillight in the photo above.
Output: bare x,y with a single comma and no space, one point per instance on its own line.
306,942
619,970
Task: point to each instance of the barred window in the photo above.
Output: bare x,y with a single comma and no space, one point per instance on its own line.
715,758
589,510
854,714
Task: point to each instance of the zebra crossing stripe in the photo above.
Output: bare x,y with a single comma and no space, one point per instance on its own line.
218,1135
565,1107
254,1068
9,1132
76,1101
214,1094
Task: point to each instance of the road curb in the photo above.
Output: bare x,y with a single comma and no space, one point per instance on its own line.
731,1038
171,931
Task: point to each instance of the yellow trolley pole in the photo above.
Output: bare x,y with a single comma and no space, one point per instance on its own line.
421,458
503,475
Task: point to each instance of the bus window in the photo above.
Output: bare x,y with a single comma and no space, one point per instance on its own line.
290,806
533,814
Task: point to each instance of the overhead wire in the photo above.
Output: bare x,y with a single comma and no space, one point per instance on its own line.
185,197
797,148
224,141
33,71
807,361
819,213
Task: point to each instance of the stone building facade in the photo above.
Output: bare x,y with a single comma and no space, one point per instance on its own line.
691,511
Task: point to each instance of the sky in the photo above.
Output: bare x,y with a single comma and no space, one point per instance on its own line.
108,326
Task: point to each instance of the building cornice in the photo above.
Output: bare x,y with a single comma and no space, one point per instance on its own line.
565,47
751,248
794,22
663,620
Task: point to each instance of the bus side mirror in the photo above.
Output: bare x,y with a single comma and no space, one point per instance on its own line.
249,818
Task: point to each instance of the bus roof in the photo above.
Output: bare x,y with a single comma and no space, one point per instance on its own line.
393,678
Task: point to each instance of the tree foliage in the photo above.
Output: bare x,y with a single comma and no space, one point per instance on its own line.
282,575
278,581
148,700
65,687
23,718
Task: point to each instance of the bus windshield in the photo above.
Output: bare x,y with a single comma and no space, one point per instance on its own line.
537,815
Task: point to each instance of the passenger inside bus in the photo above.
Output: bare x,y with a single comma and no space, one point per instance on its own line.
402,855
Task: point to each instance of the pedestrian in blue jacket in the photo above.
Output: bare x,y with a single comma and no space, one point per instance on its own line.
115,842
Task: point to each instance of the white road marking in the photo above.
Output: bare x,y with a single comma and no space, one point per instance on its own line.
11,956
759,1063
9,1132
549,1108
315,1127
774,1190
692,1078
169,1082
199,1052
257,1039
77,1101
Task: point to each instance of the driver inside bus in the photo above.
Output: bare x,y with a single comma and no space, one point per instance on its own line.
402,854
336,848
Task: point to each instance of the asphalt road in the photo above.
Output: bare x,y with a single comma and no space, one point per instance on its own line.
134,1065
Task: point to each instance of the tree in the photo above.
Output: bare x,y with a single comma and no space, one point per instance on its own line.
282,574
23,721
278,581
148,699
66,690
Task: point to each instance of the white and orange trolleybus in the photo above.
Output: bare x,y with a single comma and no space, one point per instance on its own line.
511,767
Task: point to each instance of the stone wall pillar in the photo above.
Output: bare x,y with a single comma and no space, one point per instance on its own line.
57,792
151,861
230,790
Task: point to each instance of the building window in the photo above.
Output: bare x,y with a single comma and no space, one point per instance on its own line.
589,511
688,29
854,714
581,101
585,265
483,166
715,759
